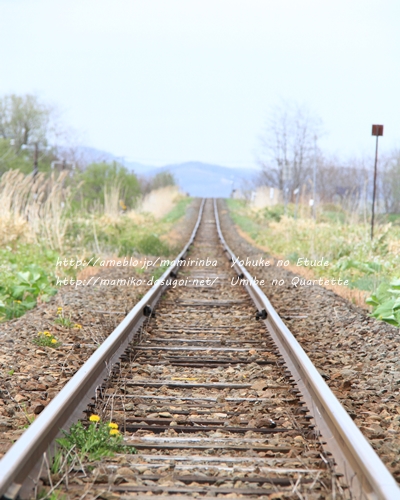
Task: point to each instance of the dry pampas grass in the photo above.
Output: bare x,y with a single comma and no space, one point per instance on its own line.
33,207
13,228
159,202
112,204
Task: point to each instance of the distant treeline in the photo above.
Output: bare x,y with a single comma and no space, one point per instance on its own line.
33,140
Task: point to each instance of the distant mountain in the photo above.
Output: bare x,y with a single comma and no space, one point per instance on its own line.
139,168
92,155
207,180
194,177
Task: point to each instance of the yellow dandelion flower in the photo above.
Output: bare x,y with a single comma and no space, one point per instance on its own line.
77,326
114,432
54,341
94,418
112,425
40,333
48,334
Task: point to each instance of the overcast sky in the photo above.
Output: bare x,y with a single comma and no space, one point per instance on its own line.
160,81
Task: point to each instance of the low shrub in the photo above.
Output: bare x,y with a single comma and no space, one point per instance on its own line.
20,290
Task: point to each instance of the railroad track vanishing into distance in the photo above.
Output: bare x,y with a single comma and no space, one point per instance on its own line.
215,395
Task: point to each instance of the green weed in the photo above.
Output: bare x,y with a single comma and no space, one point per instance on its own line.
274,213
178,211
52,495
159,271
20,290
152,245
46,339
29,418
90,443
63,320
386,302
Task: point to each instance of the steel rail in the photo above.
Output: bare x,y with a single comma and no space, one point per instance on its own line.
364,472
17,466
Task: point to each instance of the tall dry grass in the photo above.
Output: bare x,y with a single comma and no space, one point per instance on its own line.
158,202
112,196
34,208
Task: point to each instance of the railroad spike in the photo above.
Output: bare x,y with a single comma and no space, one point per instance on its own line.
147,311
261,314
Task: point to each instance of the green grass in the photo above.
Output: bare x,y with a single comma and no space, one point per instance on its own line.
241,218
23,284
89,443
345,244
46,339
43,494
393,218
120,237
178,211
63,320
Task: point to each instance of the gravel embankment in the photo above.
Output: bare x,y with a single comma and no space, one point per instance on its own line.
32,375
358,356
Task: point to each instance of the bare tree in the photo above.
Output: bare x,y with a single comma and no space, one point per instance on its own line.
389,185
342,182
289,146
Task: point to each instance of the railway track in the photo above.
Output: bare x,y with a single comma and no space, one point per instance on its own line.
213,394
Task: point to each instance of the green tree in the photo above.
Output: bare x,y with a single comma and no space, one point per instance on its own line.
163,179
24,133
9,159
160,180
97,177
25,119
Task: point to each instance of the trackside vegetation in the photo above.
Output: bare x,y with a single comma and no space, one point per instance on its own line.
338,237
98,211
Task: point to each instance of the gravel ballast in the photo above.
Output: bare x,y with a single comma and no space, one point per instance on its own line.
358,356
31,375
